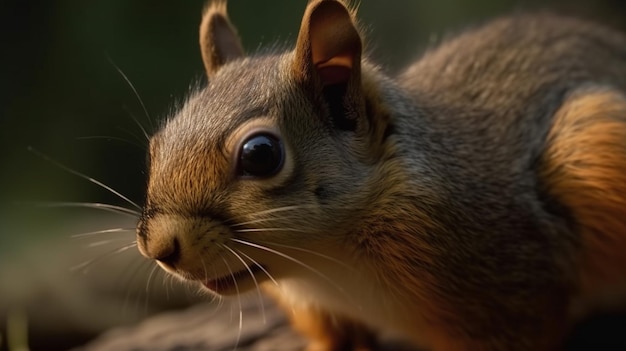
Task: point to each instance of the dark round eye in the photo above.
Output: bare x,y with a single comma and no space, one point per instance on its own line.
261,155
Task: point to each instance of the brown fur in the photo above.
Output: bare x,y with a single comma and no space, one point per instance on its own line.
466,205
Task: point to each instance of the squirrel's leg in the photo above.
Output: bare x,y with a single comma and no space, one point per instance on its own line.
325,331
585,169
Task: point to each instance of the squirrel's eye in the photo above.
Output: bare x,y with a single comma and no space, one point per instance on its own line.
261,155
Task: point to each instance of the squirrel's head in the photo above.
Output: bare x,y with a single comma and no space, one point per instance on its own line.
270,162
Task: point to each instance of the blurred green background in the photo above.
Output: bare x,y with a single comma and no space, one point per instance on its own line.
62,94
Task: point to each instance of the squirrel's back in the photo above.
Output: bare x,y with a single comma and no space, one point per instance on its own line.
529,117
497,88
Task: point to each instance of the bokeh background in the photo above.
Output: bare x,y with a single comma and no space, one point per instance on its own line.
61,94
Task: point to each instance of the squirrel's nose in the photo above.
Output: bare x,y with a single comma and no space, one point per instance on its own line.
166,251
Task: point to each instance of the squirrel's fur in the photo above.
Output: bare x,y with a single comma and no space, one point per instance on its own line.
473,202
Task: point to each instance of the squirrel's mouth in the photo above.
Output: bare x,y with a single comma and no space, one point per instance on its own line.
235,282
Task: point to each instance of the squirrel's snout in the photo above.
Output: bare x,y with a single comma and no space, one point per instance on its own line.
162,248
165,251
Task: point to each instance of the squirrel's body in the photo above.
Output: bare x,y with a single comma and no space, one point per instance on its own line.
473,203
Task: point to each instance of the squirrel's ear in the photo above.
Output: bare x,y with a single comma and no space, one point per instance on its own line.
219,42
329,46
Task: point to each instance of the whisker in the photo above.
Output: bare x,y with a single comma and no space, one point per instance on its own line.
282,209
252,230
206,277
81,175
260,266
132,273
294,260
94,205
260,220
220,302
232,274
166,278
258,289
85,265
332,259
147,300
104,242
143,106
136,137
105,231
206,273
150,278
108,138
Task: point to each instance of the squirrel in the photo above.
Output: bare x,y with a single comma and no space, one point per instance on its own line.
475,201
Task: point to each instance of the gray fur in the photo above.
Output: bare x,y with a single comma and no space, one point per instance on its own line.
465,130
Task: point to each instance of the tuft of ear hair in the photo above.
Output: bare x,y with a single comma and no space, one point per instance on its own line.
328,48
219,42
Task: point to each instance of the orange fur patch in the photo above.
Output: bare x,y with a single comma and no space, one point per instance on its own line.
586,170
325,331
